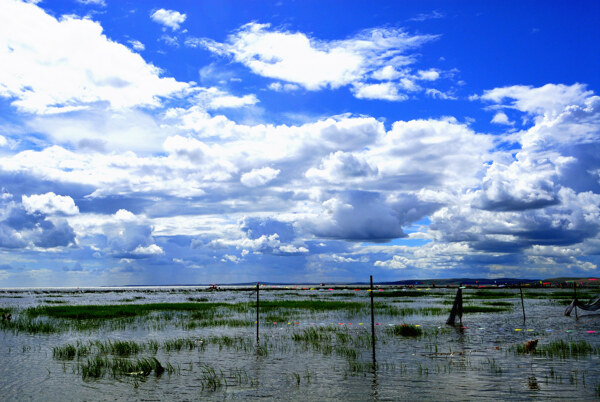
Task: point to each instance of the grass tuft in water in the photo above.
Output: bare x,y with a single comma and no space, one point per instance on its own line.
405,330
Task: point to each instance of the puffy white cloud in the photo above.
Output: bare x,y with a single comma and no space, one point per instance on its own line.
341,166
385,91
259,177
50,204
3,141
214,98
428,75
168,18
316,64
502,118
397,262
546,99
68,64
152,249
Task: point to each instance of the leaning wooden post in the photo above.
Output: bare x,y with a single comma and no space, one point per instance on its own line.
456,309
372,321
522,304
575,292
257,303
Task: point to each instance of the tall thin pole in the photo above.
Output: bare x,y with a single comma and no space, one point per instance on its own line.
372,321
257,303
522,304
575,291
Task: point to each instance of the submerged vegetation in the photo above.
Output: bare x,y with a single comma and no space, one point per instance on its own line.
214,344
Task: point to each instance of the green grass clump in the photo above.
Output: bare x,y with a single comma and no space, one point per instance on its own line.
311,305
66,352
499,303
32,326
562,349
405,330
82,312
491,294
98,367
198,299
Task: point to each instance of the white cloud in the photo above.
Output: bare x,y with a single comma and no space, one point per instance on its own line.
137,45
50,204
152,249
316,64
3,141
550,98
100,3
214,98
169,18
288,248
259,177
68,64
502,118
437,94
342,166
397,262
385,91
428,75
277,86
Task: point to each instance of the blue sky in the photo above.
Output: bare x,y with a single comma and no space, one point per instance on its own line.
190,142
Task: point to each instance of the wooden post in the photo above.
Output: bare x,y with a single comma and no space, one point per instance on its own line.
372,321
257,315
575,291
456,308
522,304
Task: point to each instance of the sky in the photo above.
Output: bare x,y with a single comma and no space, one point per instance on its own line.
194,142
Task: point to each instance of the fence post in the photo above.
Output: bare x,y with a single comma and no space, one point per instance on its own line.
522,304
575,292
257,314
372,321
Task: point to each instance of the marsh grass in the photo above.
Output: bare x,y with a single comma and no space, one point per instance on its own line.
562,349
197,299
404,330
498,303
99,366
87,312
407,293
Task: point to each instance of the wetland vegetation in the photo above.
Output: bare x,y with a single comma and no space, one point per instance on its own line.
307,340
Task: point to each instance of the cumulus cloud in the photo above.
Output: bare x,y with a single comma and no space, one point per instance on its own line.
49,204
316,64
214,98
169,18
21,228
341,166
502,118
67,64
397,262
546,99
259,177
385,90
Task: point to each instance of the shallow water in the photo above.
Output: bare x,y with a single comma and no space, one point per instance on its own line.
474,363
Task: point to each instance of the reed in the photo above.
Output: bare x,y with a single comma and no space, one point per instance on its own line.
405,330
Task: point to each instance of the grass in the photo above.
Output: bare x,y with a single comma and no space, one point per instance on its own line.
99,366
563,349
407,293
405,330
86,312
